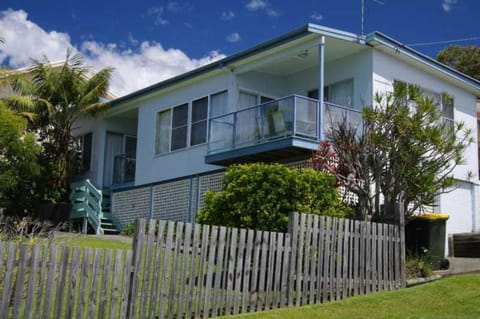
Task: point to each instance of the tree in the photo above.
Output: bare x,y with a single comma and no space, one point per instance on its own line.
405,153
260,196
19,169
52,101
465,59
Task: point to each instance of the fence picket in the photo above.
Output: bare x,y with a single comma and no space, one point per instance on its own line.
231,272
211,265
183,279
221,265
173,282
19,282
293,230
247,270
32,282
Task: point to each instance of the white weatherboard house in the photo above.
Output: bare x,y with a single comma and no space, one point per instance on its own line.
157,150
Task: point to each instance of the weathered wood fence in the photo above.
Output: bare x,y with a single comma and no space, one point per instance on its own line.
181,270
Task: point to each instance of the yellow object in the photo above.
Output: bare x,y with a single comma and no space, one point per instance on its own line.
432,216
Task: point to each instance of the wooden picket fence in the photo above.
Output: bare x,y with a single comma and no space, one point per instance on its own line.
181,270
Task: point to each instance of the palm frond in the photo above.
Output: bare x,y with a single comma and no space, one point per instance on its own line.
96,87
20,103
96,109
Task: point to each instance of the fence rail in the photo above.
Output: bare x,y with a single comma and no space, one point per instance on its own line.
182,270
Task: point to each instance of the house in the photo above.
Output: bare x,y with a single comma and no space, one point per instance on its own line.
159,149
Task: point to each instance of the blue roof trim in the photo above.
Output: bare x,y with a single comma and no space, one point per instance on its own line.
387,41
292,35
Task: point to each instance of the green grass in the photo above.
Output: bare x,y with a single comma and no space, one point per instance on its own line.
451,297
80,240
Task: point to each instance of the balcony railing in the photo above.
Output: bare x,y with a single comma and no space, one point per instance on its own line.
292,116
123,169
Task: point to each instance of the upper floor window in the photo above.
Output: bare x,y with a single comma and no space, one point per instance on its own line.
340,93
186,125
444,102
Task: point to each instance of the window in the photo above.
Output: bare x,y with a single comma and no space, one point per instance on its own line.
85,154
219,104
162,137
444,101
179,127
340,93
186,125
199,121
313,94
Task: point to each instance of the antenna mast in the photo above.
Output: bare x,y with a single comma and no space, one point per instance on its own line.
363,19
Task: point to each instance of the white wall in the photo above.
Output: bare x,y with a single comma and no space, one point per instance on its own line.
463,203
264,84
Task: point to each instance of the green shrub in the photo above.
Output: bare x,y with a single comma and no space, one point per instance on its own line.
418,266
260,196
129,229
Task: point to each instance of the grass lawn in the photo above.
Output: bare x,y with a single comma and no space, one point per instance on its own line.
92,241
451,297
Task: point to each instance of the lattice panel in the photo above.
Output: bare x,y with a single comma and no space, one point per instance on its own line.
171,200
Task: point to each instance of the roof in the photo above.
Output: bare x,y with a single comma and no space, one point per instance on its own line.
373,39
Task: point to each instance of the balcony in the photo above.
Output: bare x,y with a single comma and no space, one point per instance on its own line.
276,130
123,170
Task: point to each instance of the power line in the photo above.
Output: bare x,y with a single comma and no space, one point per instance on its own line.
442,42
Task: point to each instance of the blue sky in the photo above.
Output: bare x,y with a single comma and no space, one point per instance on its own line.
158,39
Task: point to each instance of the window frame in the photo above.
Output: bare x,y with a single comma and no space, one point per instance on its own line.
189,125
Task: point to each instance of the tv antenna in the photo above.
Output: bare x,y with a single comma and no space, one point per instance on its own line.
363,15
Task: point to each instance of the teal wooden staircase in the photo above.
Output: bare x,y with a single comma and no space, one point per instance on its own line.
91,207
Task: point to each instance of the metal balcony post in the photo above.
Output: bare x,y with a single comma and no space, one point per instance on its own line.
321,71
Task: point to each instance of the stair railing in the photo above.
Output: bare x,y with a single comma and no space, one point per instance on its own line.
86,198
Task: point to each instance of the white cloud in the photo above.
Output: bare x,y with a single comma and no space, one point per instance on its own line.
272,13
262,5
157,13
316,16
227,15
234,37
134,68
447,5
254,5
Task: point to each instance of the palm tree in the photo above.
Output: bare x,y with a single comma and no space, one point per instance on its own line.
53,99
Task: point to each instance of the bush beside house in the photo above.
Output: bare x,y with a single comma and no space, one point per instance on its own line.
260,196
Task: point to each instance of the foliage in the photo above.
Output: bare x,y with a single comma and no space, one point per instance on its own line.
466,59
19,170
417,266
260,196
405,153
52,101
26,230
129,229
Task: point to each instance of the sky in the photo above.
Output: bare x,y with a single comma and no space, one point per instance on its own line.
149,41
